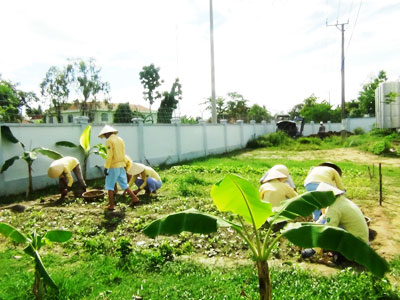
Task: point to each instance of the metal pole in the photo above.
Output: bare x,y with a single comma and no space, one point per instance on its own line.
213,102
343,133
380,184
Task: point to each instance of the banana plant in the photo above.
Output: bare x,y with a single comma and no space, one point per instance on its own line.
33,242
84,147
240,197
29,156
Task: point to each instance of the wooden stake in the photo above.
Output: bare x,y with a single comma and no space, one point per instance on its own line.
380,184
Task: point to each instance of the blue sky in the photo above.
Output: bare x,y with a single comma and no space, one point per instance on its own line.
275,53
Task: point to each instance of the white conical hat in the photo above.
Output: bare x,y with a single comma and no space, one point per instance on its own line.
136,169
107,129
324,187
277,171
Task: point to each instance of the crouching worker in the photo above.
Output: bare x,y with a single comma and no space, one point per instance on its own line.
277,185
145,178
343,213
62,168
115,165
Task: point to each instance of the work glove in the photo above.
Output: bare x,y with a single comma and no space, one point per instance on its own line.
105,172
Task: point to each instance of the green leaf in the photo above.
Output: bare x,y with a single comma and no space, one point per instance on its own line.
100,149
12,233
308,235
303,205
190,220
6,132
239,196
30,250
59,236
8,163
48,152
66,144
84,140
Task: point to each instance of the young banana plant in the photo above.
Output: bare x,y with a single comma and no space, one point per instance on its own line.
241,198
29,156
33,243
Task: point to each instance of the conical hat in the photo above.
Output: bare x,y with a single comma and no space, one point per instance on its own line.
333,166
277,171
324,187
107,129
55,170
136,169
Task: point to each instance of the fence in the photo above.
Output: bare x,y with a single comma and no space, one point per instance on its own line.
153,144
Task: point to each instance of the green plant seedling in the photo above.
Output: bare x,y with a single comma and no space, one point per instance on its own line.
33,243
240,197
28,156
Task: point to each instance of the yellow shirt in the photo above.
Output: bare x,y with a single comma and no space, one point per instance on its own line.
324,174
148,172
344,212
275,191
115,152
68,163
128,163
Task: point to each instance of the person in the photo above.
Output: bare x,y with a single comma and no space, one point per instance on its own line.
343,213
128,165
145,178
277,185
114,167
62,168
326,172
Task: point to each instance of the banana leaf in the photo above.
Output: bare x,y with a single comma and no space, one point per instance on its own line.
308,235
239,196
39,266
190,220
84,139
59,236
8,163
12,233
66,144
303,205
7,134
48,152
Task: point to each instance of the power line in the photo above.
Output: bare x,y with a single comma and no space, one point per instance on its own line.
338,9
355,23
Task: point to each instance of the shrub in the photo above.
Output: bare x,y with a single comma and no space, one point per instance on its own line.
358,131
381,147
273,139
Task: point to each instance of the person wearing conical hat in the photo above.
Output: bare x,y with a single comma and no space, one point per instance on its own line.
62,168
114,167
145,178
326,172
275,186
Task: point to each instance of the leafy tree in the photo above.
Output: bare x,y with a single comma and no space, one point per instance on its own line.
169,103
237,108
189,120
34,112
367,94
259,113
56,88
314,111
33,243
220,107
123,113
29,156
240,197
295,111
353,109
150,79
86,78
12,100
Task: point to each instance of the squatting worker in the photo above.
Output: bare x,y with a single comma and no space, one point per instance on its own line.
326,172
115,165
62,168
145,177
277,185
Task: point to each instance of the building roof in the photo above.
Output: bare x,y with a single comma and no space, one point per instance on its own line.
113,106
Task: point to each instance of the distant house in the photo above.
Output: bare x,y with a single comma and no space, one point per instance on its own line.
103,114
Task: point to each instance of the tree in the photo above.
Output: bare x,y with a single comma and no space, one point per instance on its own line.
237,108
239,197
29,156
123,113
87,81
367,94
55,87
150,79
314,111
169,103
258,113
353,109
12,100
220,107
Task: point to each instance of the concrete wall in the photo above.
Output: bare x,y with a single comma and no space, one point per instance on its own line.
148,143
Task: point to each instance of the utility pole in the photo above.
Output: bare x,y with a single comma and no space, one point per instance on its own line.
341,28
213,102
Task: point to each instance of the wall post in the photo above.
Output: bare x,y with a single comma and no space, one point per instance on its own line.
224,123
312,127
202,123
177,123
264,124
329,125
253,122
139,123
240,122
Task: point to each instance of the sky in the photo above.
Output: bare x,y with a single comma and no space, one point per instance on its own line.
273,52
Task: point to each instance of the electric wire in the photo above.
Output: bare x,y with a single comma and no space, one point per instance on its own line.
355,23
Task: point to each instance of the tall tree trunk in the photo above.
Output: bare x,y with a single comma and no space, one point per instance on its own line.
264,281
29,189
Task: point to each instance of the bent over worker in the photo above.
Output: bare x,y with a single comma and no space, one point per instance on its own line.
114,168
62,169
145,177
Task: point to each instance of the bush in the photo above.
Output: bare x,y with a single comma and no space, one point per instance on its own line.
273,139
358,131
381,147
